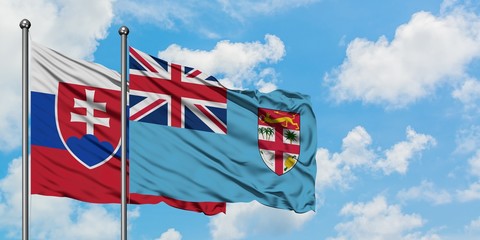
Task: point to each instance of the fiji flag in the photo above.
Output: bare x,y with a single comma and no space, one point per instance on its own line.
195,140
75,133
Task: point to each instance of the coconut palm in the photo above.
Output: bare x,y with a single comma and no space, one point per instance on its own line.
261,130
291,136
269,132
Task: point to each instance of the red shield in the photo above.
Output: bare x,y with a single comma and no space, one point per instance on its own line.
279,139
88,121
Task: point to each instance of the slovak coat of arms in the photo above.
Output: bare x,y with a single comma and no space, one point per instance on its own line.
88,122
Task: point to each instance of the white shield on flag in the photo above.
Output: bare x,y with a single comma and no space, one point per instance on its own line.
279,139
88,122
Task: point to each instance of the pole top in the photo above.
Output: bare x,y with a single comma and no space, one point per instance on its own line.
123,30
25,24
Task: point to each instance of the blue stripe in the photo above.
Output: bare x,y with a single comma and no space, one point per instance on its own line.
44,128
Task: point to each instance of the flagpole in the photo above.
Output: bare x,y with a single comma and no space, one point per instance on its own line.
25,26
123,31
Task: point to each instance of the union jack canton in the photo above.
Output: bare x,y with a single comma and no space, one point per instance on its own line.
174,95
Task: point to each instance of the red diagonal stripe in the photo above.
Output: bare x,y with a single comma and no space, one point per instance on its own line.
212,118
140,58
146,109
194,74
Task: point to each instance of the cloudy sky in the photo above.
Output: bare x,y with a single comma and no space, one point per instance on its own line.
394,85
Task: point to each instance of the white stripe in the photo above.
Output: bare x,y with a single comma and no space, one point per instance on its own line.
197,80
162,73
152,62
140,63
205,119
149,111
205,102
150,98
48,68
200,79
150,74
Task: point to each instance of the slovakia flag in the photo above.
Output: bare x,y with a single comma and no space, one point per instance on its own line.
75,133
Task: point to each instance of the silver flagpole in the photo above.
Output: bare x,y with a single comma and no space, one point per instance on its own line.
25,26
123,31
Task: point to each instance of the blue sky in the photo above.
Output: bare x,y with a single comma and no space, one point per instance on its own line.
394,85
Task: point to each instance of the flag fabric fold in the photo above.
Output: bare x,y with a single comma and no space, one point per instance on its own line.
195,140
75,133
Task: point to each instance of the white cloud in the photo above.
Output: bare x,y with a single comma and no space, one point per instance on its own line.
90,222
473,226
170,234
265,87
11,196
160,12
53,217
244,9
448,5
377,220
331,171
398,157
468,94
471,231
245,219
425,191
336,169
468,139
134,213
242,69
411,66
355,150
70,26
474,163
175,16
268,80
470,194
420,236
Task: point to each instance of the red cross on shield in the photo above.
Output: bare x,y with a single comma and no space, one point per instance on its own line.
88,122
279,139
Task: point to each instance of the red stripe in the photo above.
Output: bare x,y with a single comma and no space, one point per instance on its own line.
194,74
208,208
211,117
278,163
56,173
140,58
285,147
147,109
278,150
183,89
176,107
